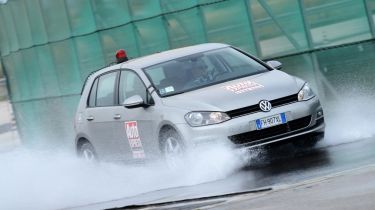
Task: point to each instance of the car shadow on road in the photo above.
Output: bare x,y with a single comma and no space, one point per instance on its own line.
287,158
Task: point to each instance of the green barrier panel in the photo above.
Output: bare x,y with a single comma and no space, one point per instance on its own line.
185,28
11,78
208,1
9,28
141,9
301,66
279,28
110,13
37,128
66,64
32,73
55,19
342,22
175,5
22,76
4,46
90,55
118,38
228,22
25,119
22,26
36,22
349,70
81,16
151,36
17,80
1,70
47,69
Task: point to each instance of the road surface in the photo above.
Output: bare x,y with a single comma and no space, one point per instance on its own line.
284,170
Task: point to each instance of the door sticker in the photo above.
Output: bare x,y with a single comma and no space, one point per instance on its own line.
135,143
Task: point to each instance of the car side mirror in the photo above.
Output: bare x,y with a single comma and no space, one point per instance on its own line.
275,64
134,102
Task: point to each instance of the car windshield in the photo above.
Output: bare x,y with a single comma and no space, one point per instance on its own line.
201,70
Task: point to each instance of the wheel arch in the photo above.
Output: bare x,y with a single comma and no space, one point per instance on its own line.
164,128
79,142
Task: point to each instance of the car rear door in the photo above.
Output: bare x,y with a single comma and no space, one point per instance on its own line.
100,115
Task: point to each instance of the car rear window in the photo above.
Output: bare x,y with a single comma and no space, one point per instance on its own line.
105,94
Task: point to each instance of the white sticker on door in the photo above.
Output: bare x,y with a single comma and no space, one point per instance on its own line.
134,139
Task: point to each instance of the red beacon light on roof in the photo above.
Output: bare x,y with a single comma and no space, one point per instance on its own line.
121,56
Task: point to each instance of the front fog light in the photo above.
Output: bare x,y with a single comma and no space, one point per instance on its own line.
319,114
205,118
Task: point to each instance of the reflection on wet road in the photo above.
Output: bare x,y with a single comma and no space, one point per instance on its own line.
279,166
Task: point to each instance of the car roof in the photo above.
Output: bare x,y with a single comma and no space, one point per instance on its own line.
168,55
160,57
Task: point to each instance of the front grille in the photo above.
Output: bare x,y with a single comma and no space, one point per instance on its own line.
271,132
255,108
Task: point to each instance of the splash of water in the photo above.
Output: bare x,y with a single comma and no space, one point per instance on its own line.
48,180
350,119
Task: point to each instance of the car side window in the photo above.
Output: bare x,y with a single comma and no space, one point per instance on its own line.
105,95
92,97
131,85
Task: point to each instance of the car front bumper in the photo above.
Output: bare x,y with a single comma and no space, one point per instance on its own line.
302,119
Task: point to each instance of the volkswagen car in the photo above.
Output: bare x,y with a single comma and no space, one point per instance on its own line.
164,104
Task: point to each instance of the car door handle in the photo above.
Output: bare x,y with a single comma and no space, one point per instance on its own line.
90,118
117,117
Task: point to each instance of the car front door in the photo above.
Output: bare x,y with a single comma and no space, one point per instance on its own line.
135,127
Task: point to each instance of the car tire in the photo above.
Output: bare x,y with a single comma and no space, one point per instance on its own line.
172,148
87,152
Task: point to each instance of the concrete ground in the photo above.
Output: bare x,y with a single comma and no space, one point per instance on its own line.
354,189
350,190
9,137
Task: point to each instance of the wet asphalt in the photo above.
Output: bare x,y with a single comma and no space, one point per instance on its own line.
281,165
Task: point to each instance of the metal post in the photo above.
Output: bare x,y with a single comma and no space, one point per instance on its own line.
203,21
268,10
165,26
134,28
252,28
306,25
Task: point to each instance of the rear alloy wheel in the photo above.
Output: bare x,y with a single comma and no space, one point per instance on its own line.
87,152
172,148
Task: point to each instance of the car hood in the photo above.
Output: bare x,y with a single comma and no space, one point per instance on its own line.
237,93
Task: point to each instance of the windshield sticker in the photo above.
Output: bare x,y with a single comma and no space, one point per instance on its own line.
162,91
166,90
243,87
134,139
169,89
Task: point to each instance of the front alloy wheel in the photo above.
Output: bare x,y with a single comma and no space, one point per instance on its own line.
172,149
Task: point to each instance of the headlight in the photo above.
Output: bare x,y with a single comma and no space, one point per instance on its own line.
305,93
205,118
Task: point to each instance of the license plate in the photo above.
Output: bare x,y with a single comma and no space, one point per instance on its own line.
271,121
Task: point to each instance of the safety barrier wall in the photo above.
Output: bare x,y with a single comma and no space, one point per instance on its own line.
49,47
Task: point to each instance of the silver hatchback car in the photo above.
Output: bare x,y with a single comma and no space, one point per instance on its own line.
166,103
